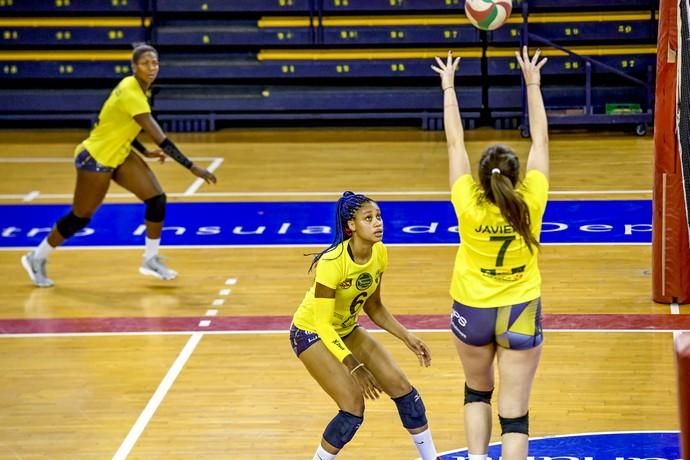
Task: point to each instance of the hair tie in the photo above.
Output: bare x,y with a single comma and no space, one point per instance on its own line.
495,171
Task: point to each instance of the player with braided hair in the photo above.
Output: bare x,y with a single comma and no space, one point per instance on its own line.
348,363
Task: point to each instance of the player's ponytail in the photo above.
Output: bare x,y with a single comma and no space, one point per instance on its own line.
499,173
346,207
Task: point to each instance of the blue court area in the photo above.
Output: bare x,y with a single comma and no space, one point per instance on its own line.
595,446
294,223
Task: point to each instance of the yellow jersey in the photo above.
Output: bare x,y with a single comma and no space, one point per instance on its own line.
110,141
493,266
353,284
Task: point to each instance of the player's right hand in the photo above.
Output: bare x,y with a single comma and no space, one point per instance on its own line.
203,174
531,68
367,383
446,70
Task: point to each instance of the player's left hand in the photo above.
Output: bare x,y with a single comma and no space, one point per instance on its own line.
204,174
157,154
420,349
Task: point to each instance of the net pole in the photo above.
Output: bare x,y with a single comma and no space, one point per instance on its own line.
670,242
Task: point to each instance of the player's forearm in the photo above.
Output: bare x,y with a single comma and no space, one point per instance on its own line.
333,342
323,314
538,123
451,117
383,318
138,146
173,152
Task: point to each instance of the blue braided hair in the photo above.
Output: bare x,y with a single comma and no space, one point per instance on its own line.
346,207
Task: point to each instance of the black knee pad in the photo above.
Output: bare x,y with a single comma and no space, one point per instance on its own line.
472,396
155,208
515,425
342,429
411,409
69,224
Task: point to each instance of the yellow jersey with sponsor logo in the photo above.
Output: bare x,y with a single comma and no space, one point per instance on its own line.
493,266
110,141
353,284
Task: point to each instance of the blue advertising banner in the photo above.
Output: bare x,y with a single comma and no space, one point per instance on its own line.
310,223
595,446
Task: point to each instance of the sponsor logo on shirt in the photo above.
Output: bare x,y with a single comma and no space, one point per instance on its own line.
346,284
364,281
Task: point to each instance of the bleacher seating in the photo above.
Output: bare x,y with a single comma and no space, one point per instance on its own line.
42,65
259,60
602,56
82,32
623,27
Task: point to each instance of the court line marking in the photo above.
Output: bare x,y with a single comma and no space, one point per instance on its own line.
55,196
199,181
187,193
276,332
157,398
32,195
675,310
283,246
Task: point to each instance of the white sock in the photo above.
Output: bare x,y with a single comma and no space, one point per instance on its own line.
425,445
43,250
323,454
151,248
476,456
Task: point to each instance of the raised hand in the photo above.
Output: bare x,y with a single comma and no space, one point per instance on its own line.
531,68
446,70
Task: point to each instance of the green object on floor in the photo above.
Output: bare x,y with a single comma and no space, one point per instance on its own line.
618,109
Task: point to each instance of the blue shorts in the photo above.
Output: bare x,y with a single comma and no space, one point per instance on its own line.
301,339
517,327
86,162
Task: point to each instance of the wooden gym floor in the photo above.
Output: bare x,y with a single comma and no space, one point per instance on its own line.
218,394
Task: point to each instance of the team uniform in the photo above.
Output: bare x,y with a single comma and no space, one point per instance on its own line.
110,141
496,284
353,284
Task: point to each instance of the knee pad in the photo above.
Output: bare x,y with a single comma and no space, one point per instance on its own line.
155,208
342,429
515,425
472,396
411,409
70,224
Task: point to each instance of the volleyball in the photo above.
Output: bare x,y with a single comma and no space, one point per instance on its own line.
488,14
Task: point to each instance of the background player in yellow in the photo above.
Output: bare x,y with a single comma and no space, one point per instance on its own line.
496,285
107,155
341,355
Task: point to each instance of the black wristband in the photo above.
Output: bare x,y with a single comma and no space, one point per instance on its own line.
139,146
173,152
